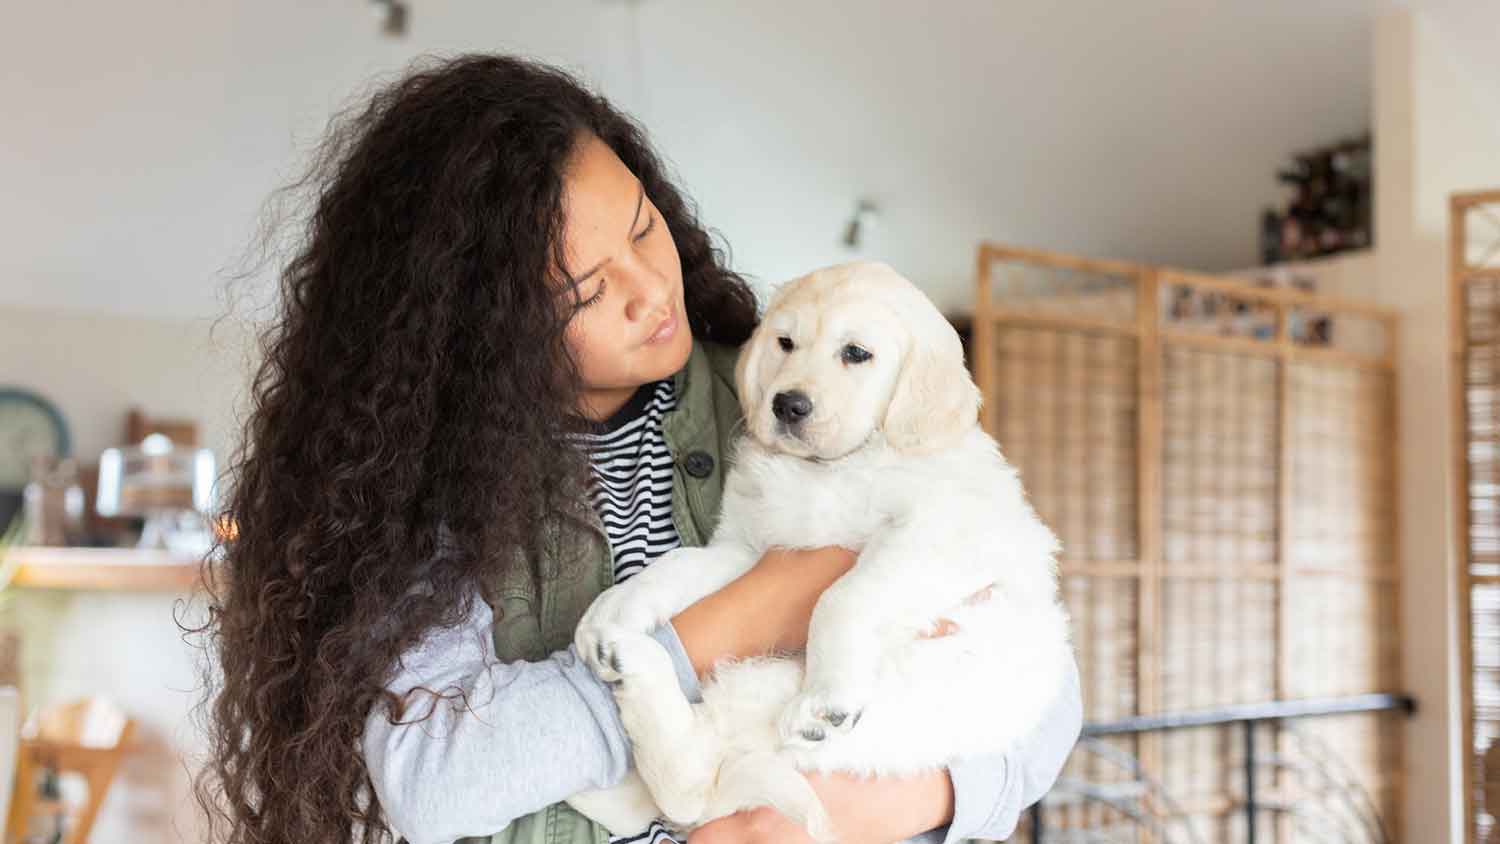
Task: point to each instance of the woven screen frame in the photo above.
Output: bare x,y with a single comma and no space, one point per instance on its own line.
1474,301
1207,500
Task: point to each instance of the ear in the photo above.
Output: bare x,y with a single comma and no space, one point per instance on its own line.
935,400
747,374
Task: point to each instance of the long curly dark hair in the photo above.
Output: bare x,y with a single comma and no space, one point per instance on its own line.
415,372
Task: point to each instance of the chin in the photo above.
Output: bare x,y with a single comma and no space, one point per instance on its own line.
790,445
665,361
780,441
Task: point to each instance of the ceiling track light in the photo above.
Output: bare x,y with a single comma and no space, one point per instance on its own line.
866,212
392,15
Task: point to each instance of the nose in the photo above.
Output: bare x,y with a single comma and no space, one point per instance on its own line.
650,292
791,407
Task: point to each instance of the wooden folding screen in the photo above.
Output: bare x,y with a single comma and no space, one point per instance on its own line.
1218,459
1474,266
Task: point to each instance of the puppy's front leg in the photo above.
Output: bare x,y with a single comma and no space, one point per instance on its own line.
903,577
676,754
842,665
664,588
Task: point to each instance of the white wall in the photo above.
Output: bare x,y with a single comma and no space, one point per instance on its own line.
140,138
1438,131
94,366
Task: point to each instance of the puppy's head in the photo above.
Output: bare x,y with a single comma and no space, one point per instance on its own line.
849,351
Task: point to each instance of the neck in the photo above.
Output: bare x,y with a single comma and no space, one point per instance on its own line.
599,405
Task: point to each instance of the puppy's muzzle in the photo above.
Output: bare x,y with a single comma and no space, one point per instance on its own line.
791,407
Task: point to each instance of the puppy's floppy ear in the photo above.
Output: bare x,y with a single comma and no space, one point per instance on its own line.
747,368
747,373
935,399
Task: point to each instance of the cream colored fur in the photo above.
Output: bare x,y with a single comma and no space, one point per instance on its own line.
891,461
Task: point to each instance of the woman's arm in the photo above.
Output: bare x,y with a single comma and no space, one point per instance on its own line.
534,733
471,771
977,797
991,791
864,811
777,598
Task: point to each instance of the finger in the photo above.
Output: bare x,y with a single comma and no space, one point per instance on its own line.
943,627
981,596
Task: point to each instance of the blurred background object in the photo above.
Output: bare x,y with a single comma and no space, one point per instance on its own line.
81,743
170,485
30,427
1330,209
54,503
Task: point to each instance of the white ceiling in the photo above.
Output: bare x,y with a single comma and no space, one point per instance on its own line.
139,140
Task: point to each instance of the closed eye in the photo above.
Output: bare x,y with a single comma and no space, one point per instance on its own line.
650,227
594,299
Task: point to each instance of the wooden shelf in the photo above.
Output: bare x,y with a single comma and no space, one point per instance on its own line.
124,569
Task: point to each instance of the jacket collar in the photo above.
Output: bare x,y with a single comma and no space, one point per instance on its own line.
693,385
686,424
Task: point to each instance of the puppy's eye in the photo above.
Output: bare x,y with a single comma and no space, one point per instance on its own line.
786,343
854,354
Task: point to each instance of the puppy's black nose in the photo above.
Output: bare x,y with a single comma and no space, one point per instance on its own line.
791,406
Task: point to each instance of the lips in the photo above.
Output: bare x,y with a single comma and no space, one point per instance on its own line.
665,331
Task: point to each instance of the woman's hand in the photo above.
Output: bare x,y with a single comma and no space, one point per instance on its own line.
863,811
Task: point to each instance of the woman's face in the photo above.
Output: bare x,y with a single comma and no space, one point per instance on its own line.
629,327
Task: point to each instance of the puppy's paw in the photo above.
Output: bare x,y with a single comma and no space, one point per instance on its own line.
632,604
621,657
606,662
625,606
813,717
586,641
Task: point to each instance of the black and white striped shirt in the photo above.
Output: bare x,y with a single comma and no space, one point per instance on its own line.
631,489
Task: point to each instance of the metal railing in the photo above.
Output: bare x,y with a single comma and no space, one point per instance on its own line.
1247,715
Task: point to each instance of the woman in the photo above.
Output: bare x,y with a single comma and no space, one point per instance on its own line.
501,379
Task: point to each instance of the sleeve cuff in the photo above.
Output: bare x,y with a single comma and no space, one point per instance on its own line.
687,678
981,786
991,791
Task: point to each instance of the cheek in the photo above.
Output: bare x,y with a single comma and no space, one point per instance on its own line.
865,403
763,382
757,380
580,338
870,397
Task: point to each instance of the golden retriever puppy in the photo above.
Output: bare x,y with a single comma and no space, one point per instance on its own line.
861,431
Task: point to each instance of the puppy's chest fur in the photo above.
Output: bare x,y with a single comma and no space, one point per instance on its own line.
778,500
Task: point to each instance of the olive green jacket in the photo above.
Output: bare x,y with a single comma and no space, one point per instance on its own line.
534,620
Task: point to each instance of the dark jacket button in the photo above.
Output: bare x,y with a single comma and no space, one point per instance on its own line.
699,464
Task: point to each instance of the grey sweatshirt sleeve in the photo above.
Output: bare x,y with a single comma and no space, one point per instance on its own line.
990,792
533,733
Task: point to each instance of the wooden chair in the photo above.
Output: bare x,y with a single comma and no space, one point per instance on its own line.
86,737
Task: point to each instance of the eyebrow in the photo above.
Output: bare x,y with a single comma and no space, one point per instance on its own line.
639,201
